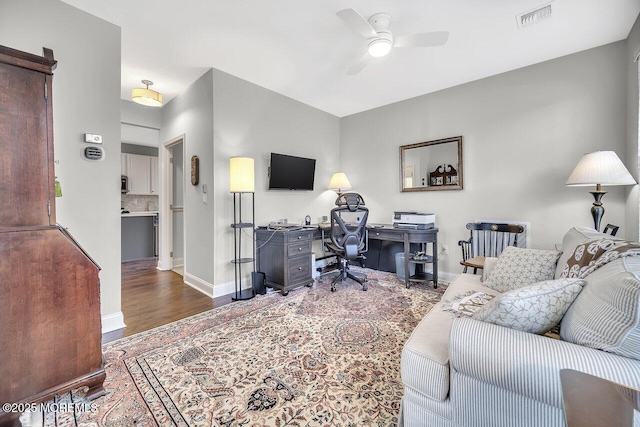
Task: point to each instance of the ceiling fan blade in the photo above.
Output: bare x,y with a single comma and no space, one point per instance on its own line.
357,22
436,38
359,65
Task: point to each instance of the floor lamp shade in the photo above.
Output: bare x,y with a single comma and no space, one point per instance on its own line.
241,175
600,168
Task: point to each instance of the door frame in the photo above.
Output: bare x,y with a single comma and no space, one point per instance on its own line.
165,261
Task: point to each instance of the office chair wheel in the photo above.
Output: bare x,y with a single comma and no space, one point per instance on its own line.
284,293
333,288
364,287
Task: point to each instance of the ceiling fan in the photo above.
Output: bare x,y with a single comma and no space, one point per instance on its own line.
381,41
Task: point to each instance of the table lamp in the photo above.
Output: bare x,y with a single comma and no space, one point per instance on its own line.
600,168
339,182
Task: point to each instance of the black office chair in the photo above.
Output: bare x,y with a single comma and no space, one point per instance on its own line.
348,241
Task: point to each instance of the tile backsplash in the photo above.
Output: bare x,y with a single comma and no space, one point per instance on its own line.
139,203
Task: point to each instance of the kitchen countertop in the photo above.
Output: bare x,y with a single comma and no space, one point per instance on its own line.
143,213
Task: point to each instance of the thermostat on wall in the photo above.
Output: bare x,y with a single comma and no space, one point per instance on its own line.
95,139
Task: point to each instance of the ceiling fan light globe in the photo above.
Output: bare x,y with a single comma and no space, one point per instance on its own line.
380,47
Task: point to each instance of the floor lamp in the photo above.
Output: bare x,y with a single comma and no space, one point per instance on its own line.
600,168
241,180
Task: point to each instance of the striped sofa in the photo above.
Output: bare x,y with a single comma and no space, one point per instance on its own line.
458,371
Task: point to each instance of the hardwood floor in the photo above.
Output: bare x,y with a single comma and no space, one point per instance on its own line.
152,298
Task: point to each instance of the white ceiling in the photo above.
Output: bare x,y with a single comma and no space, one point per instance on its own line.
301,49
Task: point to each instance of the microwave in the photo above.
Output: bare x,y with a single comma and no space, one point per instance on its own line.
124,184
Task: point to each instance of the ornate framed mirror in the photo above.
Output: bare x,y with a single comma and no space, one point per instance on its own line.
431,165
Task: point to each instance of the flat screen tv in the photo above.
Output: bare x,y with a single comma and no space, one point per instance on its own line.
291,173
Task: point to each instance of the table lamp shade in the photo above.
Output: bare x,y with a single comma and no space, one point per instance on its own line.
339,182
241,175
601,167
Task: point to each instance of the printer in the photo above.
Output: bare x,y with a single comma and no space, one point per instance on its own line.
413,219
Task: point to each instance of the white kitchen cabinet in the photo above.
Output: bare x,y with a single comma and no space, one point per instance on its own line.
142,172
139,173
155,187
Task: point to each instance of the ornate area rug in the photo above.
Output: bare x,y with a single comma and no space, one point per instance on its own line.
312,358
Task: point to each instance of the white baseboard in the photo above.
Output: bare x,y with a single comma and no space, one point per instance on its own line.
178,262
224,289
198,284
161,266
446,276
112,322
230,287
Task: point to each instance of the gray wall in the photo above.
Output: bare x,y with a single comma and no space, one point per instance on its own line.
524,131
140,115
89,207
140,124
191,114
139,149
251,121
631,154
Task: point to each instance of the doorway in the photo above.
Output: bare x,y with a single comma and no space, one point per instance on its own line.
172,211
176,206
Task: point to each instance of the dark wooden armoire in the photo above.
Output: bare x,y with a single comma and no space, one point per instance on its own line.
50,331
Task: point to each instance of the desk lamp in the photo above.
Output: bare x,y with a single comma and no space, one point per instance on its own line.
600,168
339,182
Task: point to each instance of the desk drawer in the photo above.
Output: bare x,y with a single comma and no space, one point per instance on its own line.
299,269
299,248
299,236
381,234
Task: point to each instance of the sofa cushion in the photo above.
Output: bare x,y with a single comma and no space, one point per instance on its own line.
606,315
536,308
573,238
518,267
425,356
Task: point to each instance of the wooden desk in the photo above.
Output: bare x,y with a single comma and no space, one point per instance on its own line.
285,255
406,236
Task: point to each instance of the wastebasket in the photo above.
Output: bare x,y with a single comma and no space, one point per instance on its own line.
400,266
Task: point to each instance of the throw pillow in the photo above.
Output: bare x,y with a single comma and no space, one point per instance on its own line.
573,238
591,255
466,303
536,308
606,317
518,267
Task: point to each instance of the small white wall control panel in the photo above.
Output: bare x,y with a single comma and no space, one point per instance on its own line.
93,138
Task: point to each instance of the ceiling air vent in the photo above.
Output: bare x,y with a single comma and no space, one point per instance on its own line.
534,16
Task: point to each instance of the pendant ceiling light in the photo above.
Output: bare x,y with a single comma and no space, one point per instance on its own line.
146,96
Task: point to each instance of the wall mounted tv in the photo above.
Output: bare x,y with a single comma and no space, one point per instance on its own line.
291,173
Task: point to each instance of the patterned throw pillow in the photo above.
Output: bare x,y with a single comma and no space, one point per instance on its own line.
573,238
466,304
591,255
606,317
518,267
536,308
